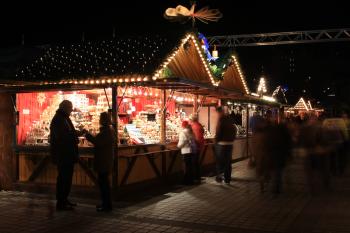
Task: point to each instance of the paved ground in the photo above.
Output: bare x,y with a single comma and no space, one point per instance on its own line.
210,207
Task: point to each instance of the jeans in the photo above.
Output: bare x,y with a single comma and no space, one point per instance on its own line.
188,176
223,154
196,166
64,181
105,190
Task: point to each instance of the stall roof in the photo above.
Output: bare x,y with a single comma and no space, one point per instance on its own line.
127,61
302,105
119,56
234,79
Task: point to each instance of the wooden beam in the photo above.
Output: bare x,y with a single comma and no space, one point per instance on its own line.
163,119
131,163
151,158
173,155
88,172
39,168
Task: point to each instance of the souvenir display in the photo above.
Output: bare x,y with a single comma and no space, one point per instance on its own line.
139,118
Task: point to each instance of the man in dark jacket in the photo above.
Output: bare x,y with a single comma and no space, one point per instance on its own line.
224,137
64,151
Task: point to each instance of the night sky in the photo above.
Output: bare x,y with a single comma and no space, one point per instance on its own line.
320,69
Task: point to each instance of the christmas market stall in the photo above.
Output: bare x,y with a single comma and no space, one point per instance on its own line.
149,84
302,108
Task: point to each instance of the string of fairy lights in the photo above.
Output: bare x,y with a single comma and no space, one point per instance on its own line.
115,61
241,75
105,58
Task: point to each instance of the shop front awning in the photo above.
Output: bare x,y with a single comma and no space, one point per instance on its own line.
177,84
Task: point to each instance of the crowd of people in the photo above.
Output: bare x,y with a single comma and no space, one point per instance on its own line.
323,141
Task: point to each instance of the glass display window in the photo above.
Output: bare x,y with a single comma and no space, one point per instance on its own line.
37,109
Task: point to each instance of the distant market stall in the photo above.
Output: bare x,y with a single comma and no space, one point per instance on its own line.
302,108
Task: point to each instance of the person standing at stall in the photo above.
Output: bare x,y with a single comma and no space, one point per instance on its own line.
104,143
198,132
224,138
64,152
188,147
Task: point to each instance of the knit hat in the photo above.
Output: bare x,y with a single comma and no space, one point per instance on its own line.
184,124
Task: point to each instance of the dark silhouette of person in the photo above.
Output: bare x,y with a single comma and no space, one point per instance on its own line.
315,140
224,137
64,152
272,146
104,143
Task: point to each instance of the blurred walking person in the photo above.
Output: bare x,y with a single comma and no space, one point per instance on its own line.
335,135
313,140
272,147
260,148
279,148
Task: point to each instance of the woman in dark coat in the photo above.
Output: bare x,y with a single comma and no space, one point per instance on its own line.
104,143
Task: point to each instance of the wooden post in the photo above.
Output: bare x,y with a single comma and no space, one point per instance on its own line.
247,130
15,135
163,119
209,118
115,126
195,104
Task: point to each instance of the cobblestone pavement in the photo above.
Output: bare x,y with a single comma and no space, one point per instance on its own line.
210,207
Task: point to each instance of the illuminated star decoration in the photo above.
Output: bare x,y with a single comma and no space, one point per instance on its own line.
183,14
